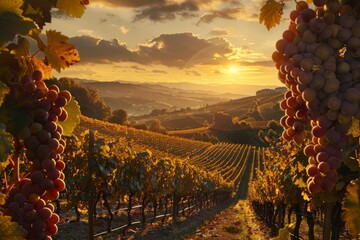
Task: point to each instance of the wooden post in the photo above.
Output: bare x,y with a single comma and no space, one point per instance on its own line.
91,190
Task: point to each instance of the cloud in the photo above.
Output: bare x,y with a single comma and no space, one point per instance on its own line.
123,30
129,3
193,73
135,67
162,10
180,50
56,13
159,71
221,32
96,50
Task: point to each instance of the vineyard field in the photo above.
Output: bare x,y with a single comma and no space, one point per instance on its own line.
236,163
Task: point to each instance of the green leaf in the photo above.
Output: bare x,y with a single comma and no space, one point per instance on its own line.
73,110
3,91
15,117
270,13
351,207
12,24
10,230
6,146
38,11
23,48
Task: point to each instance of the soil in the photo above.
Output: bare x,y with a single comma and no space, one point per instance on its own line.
225,222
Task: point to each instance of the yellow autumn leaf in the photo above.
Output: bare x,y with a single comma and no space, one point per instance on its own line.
2,198
11,6
10,230
40,65
351,207
59,53
309,1
73,8
270,13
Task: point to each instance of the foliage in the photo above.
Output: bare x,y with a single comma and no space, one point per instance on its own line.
73,109
10,230
155,126
119,116
21,74
89,99
270,13
351,207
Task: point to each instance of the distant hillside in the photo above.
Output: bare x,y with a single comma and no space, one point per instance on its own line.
142,99
256,110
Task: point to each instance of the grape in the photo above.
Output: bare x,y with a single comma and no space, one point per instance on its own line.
54,219
63,116
323,167
44,136
44,213
318,62
301,5
41,115
312,170
52,95
26,202
347,21
59,185
37,177
51,229
37,75
319,3
317,25
329,18
344,35
48,164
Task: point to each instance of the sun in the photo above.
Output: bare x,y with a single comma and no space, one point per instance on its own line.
233,69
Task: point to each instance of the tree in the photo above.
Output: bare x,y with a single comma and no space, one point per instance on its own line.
119,116
155,126
91,103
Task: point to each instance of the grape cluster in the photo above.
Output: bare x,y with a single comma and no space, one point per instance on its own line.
318,59
29,202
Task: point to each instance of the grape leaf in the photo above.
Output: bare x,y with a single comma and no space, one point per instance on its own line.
270,13
40,65
10,230
309,1
11,6
12,24
355,128
73,110
284,233
351,207
59,53
6,146
2,198
71,7
23,48
38,11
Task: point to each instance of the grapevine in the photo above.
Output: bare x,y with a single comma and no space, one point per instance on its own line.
318,61
35,116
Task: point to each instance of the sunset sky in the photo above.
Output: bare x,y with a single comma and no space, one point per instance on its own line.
200,41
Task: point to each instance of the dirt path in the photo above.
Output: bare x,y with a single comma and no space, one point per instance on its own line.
235,223
226,222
